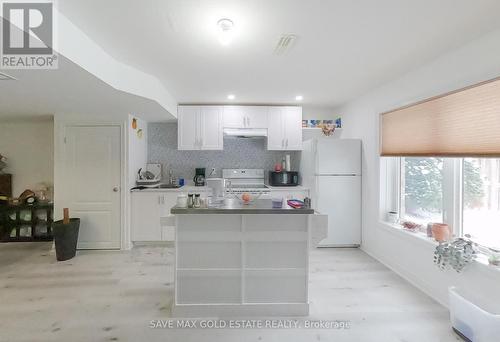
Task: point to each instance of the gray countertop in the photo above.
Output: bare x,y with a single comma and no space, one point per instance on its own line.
233,206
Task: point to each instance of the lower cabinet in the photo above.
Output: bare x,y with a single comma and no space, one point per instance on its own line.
151,218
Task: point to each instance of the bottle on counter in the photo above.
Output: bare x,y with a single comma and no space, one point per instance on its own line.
197,201
190,200
283,164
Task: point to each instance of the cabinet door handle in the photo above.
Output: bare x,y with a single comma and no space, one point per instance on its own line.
287,142
248,121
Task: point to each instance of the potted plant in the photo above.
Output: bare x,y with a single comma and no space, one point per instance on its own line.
494,257
66,236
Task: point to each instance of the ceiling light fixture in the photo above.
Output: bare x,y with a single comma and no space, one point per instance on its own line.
231,97
225,31
299,98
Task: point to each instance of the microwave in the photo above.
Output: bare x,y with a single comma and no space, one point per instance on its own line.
283,178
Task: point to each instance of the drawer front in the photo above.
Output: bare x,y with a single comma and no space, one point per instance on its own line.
208,287
263,255
275,286
212,254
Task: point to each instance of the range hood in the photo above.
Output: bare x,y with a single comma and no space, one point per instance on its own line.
245,132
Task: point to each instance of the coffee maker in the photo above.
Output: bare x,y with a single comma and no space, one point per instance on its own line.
199,178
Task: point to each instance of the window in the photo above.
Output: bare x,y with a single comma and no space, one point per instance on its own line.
481,202
463,192
422,189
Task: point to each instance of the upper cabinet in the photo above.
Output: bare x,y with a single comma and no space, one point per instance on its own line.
245,116
284,132
200,128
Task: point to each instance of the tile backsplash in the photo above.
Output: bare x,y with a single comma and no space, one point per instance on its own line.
237,153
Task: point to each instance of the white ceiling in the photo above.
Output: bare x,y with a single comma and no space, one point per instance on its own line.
72,91
344,48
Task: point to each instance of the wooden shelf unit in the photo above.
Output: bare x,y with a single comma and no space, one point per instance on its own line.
9,224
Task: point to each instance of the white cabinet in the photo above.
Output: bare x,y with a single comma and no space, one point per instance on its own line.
200,128
211,133
233,117
188,126
245,116
151,218
284,131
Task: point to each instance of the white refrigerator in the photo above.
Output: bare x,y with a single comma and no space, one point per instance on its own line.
331,168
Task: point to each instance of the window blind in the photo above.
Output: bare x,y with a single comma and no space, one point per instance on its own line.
462,123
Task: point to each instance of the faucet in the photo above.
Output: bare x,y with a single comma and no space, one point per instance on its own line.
170,177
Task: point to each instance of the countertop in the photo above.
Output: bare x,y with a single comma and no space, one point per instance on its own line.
185,188
192,188
288,188
233,206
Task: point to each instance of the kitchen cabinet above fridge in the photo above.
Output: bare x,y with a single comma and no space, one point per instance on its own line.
284,132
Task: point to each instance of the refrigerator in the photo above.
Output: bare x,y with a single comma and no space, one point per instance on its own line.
331,168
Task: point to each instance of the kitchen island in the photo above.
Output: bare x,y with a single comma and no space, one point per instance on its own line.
241,260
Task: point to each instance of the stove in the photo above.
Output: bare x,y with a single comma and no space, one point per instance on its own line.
250,181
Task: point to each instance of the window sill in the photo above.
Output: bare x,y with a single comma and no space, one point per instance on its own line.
430,243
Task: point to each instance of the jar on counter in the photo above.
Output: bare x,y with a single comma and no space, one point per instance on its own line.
182,201
190,200
197,201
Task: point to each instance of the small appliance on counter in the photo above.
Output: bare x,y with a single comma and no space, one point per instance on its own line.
151,175
283,178
218,187
199,178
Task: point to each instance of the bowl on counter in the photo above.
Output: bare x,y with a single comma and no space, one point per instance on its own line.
246,198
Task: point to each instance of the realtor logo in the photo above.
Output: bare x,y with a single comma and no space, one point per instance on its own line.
28,35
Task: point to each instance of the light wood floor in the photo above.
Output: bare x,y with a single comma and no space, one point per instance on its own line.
113,296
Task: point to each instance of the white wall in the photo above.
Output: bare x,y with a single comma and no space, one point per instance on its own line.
137,157
137,148
29,146
321,113
411,257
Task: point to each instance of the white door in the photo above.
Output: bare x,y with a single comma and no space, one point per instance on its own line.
255,116
292,117
339,197
92,178
275,139
234,117
188,128
339,156
211,132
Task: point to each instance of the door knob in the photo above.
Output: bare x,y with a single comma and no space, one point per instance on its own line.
115,189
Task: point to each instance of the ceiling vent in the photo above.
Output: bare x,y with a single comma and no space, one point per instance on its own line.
285,43
5,77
